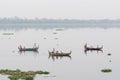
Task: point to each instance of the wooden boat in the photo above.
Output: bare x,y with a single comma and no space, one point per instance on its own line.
59,53
91,48
28,49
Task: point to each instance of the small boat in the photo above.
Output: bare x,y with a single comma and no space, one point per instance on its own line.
28,49
91,48
59,53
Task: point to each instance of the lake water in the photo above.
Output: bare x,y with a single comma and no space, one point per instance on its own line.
81,65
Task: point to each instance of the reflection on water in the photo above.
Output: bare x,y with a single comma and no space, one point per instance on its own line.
58,57
98,51
28,52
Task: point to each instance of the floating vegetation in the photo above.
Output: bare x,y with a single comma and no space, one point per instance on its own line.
109,54
106,70
21,77
18,74
42,72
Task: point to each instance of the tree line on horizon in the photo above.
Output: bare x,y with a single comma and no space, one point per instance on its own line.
70,21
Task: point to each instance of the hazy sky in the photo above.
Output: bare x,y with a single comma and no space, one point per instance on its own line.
61,9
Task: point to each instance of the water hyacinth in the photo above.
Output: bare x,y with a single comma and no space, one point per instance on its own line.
18,74
21,77
109,54
106,70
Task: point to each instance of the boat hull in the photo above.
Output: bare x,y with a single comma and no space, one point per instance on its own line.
59,54
28,49
93,48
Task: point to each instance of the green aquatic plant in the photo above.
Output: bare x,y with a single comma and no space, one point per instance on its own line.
18,74
23,73
106,70
42,72
109,54
21,77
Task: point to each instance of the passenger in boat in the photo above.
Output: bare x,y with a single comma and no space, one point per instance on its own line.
85,45
20,47
53,50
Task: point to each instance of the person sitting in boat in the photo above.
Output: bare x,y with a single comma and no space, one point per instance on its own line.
85,46
34,46
20,47
53,50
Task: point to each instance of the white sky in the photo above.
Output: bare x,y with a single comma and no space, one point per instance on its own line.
61,9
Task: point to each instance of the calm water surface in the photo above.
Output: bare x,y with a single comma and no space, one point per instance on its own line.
79,66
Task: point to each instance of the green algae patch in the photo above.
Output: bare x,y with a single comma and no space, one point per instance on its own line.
109,54
24,75
42,72
106,70
21,77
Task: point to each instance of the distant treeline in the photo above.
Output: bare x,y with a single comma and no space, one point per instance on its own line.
37,20
18,23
